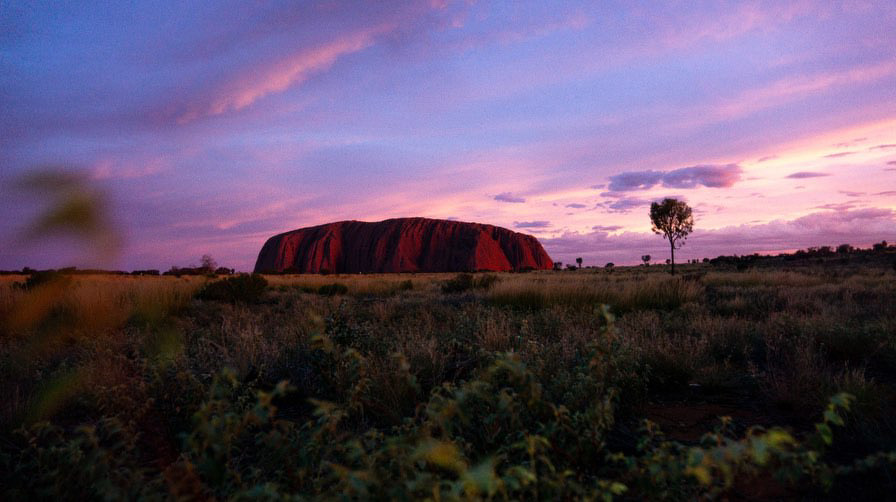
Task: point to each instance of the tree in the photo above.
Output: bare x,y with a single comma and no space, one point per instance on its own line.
672,219
646,259
208,263
579,261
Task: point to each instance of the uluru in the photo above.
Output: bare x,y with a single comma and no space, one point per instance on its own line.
401,245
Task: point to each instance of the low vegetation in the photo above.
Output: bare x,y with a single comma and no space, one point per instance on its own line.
622,383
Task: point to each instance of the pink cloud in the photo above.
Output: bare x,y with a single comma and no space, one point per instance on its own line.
797,87
253,84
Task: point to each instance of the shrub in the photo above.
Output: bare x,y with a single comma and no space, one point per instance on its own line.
332,289
243,288
41,277
466,282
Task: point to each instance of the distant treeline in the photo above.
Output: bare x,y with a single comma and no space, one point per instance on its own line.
879,253
175,271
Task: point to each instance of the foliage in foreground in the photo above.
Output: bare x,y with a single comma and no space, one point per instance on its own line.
420,394
495,436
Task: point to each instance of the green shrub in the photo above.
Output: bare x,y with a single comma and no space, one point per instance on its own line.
244,288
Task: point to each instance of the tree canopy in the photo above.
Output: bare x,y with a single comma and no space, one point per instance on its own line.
674,220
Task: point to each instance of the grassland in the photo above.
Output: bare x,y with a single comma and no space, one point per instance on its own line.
594,384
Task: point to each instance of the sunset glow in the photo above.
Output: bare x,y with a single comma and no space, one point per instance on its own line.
215,126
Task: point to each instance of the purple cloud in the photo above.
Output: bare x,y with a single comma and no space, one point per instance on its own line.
576,206
599,187
806,174
839,154
635,180
509,197
852,194
883,147
850,143
606,228
844,206
766,158
627,204
532,224
714,176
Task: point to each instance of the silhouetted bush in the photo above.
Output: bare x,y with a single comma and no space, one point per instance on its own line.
243,288
145,272
332,289
466,282
41,277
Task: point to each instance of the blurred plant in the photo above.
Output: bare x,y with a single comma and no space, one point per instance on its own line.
77,208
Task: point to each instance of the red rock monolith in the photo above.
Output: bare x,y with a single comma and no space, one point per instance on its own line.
401,245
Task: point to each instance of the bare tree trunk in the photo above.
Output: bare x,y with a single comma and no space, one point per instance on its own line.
672,245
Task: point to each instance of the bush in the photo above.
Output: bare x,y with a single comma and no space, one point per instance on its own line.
332,289
41,277
466,282
243,288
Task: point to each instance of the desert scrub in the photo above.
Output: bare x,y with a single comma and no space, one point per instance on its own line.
588,290
363,285
397,393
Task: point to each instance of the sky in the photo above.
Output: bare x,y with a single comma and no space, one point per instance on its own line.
211,126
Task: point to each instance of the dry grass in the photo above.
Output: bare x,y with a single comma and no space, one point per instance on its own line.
95,301
781,278
622,292
359,284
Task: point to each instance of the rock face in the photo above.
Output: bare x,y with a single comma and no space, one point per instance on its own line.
401,245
